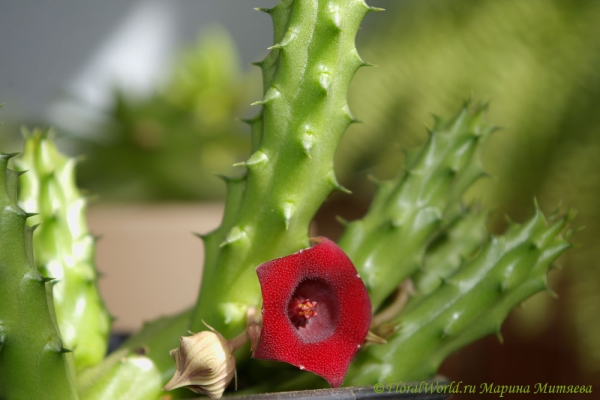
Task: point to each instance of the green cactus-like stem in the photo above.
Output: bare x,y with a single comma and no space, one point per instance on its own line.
447,253
290,173
294,138
63,247
469,305
33,359
140,367
128,374
388,244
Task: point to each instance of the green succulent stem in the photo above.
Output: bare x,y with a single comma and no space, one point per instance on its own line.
63,247
33,358
448,252
268,210
470,304
388,244
294,138
416,228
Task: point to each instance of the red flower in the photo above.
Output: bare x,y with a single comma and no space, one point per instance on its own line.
316,311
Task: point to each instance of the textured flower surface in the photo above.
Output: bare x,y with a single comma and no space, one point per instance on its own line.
316,311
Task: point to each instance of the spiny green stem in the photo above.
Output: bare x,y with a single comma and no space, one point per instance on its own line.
469,305
290,172
33,359
448,252
388,244
63,247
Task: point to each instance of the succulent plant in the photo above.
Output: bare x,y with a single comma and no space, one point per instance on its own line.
63,247
444,256
388,244
470,303
294,137
146,147
33,358
317,311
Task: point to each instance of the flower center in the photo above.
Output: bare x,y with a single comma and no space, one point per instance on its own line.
313,310
301,311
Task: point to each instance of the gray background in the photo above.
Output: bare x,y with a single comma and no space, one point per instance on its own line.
49,47
84,47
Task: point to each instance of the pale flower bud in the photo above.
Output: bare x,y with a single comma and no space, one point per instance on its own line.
205,364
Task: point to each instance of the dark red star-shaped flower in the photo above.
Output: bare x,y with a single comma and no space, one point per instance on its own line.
316,311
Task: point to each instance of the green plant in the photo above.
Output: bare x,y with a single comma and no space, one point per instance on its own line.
145,147
64,249
33,359
417,229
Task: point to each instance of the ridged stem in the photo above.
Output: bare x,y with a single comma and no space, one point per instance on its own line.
294,138
448,252
388,244
33,359
63,247
470,304
269,209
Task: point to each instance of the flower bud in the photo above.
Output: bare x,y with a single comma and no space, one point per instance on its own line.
205,364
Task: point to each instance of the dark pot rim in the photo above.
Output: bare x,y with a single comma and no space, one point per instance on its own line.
432,389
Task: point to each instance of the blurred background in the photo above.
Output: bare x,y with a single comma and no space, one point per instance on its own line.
149,92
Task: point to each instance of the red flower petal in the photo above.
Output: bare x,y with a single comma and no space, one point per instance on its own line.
316,311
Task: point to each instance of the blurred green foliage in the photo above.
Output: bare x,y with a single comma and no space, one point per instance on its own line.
168,146
538,63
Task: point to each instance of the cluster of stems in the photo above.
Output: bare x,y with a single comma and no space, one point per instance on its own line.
417,234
